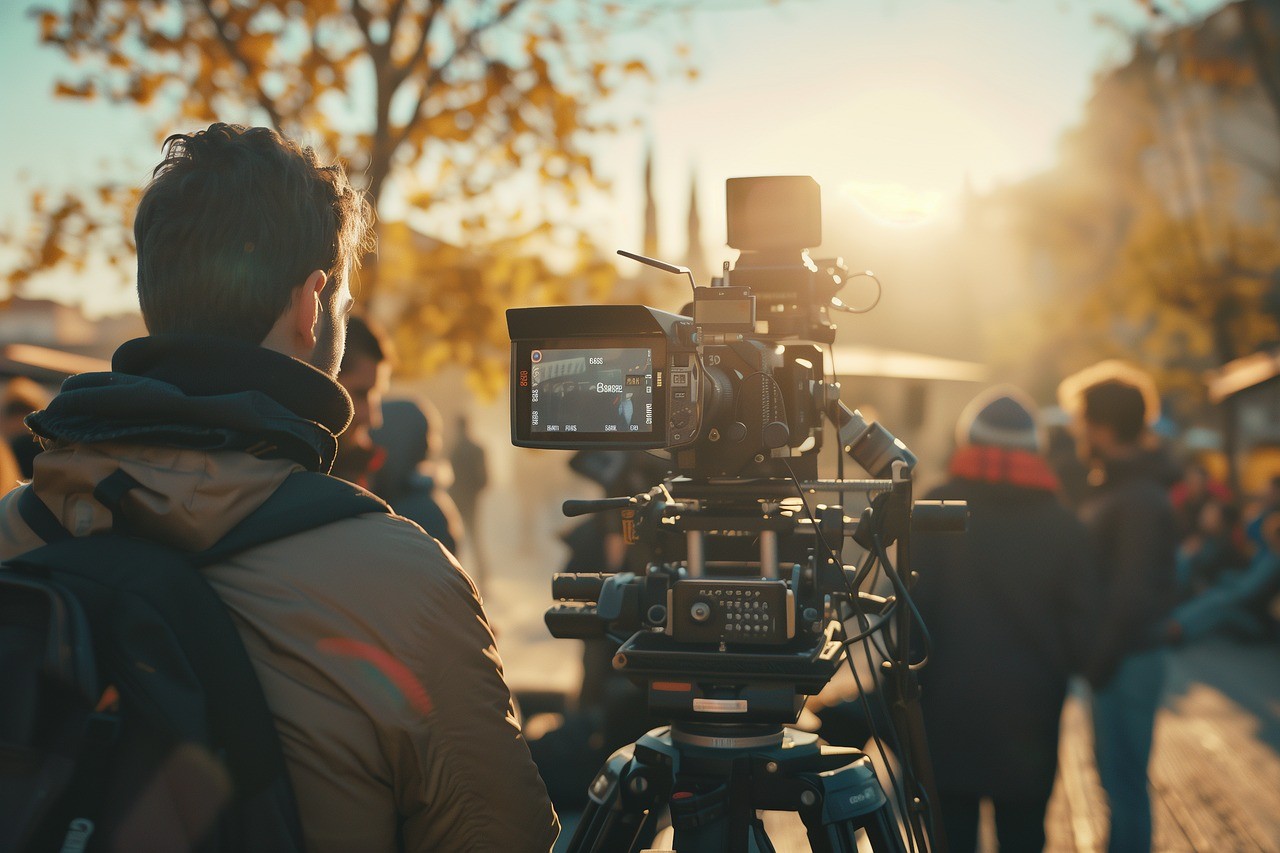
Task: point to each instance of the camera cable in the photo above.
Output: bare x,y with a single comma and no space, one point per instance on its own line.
900,798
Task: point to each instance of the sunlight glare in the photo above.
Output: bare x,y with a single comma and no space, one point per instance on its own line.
892,203
909,150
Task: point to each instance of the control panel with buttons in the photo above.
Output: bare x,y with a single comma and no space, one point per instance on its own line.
757,612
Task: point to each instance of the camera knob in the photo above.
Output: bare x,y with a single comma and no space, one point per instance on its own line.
700,611
775,434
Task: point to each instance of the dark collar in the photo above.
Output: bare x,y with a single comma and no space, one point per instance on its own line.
208,366
1151,464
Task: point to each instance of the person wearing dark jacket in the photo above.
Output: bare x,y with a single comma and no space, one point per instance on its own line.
369,641
1133,531
406,479
1007,608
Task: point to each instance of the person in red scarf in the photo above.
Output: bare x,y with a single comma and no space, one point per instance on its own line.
1008,612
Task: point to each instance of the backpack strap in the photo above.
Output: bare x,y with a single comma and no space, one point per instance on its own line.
105,569
39,517
304,501
110,492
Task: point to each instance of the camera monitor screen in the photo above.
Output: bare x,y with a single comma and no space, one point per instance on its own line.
589,394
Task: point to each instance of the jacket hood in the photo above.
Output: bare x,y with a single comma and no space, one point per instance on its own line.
205,393
187,499
208,427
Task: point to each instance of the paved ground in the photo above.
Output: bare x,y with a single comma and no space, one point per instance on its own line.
1216,768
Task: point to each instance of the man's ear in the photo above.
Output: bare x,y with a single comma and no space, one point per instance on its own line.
308,309
294,332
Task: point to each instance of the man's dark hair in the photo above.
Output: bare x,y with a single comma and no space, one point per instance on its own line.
366,340
234,220
1118,405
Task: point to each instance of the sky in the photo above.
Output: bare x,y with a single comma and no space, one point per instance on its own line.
895,106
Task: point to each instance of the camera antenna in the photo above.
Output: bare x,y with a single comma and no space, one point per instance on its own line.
662,265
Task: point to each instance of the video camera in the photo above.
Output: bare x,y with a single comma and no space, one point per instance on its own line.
742,609
719,388
737,393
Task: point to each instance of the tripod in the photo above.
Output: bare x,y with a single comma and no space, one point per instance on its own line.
714,777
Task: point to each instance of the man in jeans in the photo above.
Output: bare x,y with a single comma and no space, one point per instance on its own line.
369,641
1131,524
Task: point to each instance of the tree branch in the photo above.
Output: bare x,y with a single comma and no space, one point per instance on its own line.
228,44
363,20
400,75
435,74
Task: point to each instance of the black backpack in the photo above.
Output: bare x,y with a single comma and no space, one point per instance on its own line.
129,709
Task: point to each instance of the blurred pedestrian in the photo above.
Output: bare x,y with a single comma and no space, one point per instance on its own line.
470,477
408,476
1212,548
1189,496
1133,532
1239,597
365,374
1008,610
1269,504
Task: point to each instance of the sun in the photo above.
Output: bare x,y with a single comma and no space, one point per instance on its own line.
894,203
904,152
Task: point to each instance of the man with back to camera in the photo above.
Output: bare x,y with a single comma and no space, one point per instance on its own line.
1131,524
370,642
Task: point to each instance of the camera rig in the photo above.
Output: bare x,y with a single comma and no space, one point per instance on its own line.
746,604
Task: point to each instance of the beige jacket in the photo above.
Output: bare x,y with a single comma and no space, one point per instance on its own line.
370,641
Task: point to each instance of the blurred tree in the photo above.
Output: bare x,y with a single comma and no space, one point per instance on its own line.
432,104
1154,236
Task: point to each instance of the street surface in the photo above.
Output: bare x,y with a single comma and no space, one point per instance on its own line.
1216,766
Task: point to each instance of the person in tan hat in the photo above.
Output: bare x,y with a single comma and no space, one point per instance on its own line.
1007,608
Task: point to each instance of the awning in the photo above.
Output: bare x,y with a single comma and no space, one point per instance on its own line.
1243,373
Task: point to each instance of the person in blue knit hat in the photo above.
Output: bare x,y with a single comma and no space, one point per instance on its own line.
1007,607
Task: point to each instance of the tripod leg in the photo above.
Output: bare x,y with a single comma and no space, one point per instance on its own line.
849,799
759,837
621,807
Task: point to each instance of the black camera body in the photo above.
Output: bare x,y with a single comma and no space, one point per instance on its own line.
719,389
619,377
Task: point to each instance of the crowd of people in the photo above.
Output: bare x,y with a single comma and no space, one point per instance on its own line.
1228,559
1093,567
